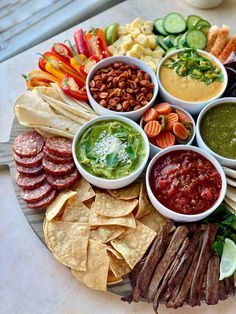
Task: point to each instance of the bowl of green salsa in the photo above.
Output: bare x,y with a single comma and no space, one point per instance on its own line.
216,130
110,152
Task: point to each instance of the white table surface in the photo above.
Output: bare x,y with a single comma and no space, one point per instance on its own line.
31,281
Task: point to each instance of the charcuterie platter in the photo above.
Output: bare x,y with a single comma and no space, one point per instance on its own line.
105,168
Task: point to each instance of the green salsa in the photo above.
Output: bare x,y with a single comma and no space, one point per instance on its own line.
111,149
218,129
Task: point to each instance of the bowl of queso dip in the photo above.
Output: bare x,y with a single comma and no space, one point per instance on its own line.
185,183
110,152
191,79
216,130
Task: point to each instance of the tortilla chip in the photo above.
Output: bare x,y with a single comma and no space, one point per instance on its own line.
68,242
119,267
231,203
32,100
84,190
144,206
50,131
112,279
231,193
55,207
97,267
133,243
109,206
76,211
99,220
104,234
50,91
114,252
153,220
128,193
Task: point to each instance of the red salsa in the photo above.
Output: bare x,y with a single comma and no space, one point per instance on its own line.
185,182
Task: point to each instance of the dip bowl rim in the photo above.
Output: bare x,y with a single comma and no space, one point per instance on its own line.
199,136
172,214
158,149
210,56
103,182
135,114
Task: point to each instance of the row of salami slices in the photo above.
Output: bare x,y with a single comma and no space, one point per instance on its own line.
43,167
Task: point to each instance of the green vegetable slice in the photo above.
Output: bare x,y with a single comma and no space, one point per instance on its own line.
192,20
158,27
196,39
111,33
161,42
202,23
163,120
169,41
174,23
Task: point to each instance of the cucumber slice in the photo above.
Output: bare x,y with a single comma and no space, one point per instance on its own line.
184,41
179,42
161,42
204,29
196,39
169,40
174,23
202,23
158,26
191,20
171,49
176,41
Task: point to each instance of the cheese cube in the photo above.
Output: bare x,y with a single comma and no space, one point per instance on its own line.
156,54
122,30
142,40
128,42
138,50
158,48
112,49
151,41
152,65
138,22
146,58
131,54
128,28
135,32
118,42
121,50
147,28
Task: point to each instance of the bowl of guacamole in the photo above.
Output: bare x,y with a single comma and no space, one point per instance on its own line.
110,151
216,130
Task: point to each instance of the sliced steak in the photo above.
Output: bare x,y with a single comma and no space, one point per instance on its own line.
205,255
229,285
175,243
222,290
28,144
29,182
46,201
36,195
29,162
54,158
156,252
63,181
29,171
212,284
57,169
59,146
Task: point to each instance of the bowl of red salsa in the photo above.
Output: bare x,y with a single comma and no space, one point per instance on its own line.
185,183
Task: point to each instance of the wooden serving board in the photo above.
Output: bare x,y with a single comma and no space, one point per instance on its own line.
35,217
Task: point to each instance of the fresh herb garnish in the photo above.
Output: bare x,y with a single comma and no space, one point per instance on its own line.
130,152
112,160
121,134
190,63
226,222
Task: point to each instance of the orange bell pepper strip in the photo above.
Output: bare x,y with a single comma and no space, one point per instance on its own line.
39,78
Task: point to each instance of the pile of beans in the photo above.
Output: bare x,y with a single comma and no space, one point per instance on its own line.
122,87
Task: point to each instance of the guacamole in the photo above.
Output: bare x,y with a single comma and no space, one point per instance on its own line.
111,149
218,129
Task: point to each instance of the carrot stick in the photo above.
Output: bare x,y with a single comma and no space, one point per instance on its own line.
221,41
211,37
230,47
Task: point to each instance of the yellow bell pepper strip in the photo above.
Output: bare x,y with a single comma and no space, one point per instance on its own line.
74,88
77,62
39,78
81,44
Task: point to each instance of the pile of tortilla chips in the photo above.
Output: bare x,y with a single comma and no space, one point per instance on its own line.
101,234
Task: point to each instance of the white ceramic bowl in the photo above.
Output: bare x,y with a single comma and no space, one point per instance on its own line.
191,107
136,114
155,149
228,162
107,183
177,216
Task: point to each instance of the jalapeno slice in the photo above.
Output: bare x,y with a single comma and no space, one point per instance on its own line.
163,120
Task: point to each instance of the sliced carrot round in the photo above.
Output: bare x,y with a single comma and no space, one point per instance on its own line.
150,114
163,108
165,139
172,119
183,117
180,131
152,129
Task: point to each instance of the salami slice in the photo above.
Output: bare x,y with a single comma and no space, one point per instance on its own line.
30,161
28,144
36,195
62,182
59,146
46,201
29,171
57,169
29,182
54,158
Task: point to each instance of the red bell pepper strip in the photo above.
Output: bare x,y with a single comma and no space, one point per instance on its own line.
72,87
96,43
81,44
102,43
62,51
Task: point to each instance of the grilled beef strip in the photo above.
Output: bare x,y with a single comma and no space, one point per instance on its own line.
185,261
175,243
205,255
155,254
213,274
229,285
168,274
222,290
186,284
